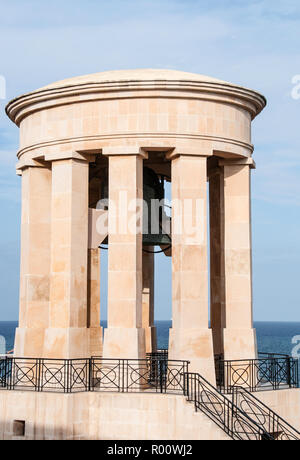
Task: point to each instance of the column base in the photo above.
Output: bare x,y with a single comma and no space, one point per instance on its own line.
96,341
196,346
150,338
124,343
66,343
240,344
29,342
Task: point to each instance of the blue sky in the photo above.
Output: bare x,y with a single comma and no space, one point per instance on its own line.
254,43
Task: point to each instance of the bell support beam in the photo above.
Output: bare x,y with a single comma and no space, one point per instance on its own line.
93,303
125,336
148,300
190,336
217,274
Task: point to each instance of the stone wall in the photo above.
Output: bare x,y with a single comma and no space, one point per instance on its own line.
102,416
285,403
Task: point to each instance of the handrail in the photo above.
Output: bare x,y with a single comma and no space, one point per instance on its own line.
268,372
264,416
273,355
223,412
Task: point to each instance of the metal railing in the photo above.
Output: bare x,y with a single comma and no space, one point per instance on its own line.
265,417
269,371
128,375
239,419
48,375
95,374
230,418
158,354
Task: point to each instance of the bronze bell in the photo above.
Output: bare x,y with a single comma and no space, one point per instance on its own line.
154,231
155,221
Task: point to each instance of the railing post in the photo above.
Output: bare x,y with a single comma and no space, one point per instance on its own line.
4,372
186,384
38,377
89,364
67,362
253,377
233,399
288,371
274,367
229,419
10,374
161,376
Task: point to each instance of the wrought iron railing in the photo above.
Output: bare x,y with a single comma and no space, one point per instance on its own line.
265,417
128,375
95,374
223,412
162,353
48,375
142,375
269,371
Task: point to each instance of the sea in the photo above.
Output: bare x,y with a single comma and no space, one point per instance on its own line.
272,337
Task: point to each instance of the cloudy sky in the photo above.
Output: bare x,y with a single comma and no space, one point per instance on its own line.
254,43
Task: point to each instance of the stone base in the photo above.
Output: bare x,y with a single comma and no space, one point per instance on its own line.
72,343
240,344
126,343
103,416
196,346
96,341
29,342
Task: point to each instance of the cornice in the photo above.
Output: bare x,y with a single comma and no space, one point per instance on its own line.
22,106
135,136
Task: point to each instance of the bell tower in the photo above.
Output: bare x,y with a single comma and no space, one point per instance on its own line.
121,136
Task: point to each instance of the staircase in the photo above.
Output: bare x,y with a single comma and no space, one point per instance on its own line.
245,418
265,417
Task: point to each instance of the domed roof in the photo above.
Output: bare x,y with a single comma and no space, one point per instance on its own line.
134,75
131,80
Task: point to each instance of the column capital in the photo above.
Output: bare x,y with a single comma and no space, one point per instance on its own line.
29,163
43,160
81,156
188,153
238,162
125,151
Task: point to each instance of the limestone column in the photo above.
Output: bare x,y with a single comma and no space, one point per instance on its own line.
217,280
148,301
239,335
35,262
125,336
93,308
190,336
67,335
